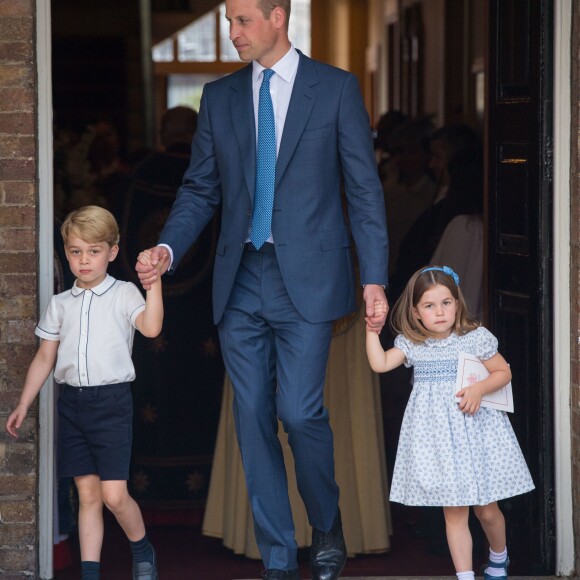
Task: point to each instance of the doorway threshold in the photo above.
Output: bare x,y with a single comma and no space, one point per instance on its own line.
441,578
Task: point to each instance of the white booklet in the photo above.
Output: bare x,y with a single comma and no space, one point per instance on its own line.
471,370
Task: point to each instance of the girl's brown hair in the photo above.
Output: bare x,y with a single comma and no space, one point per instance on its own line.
403,320
92,224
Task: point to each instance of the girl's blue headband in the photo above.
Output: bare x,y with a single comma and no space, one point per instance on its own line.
445,269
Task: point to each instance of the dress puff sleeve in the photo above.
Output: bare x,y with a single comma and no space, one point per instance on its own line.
485,343
405,345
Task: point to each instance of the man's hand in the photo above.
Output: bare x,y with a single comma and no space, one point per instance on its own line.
375,319
159,259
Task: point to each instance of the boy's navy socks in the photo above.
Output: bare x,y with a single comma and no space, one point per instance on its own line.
90,570
142,550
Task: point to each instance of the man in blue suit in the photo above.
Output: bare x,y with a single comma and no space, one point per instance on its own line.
275,301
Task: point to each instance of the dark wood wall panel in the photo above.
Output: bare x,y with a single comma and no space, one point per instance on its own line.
514,48
512,198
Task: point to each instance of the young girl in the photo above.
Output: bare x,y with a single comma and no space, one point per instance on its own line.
450,454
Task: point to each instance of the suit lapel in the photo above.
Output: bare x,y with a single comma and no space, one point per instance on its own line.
299,110
241,101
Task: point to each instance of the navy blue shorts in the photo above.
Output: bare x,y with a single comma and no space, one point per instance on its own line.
95,431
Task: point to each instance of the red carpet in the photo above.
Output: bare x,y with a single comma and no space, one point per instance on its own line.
184,554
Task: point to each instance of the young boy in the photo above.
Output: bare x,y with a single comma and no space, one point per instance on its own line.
87,336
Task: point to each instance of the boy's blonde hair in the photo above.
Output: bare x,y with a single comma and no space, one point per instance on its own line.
92,224
403,320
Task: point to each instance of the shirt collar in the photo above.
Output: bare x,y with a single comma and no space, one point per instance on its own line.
98,290
285,68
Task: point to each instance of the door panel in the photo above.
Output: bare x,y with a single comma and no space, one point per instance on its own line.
519,147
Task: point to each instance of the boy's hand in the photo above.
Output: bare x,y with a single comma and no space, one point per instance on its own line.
145,258
14,421
158,258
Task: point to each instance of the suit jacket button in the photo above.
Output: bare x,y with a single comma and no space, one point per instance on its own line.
249,212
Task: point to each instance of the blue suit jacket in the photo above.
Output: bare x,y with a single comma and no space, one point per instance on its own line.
326,139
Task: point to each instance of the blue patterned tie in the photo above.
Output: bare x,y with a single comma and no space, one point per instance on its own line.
265,166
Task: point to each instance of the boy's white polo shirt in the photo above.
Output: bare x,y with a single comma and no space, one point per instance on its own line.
95,328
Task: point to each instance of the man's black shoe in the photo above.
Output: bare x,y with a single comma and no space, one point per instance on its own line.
281,574
328,552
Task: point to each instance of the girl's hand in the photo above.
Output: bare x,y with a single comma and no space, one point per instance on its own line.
499,376
470,399
380,309
15,420
372,294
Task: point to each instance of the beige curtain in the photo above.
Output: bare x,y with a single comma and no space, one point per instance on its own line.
352,397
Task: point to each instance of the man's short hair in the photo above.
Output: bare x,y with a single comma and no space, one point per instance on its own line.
266,6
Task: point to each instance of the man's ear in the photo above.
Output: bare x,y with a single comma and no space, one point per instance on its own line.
278,16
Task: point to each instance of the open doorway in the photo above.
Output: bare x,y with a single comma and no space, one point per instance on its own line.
53,0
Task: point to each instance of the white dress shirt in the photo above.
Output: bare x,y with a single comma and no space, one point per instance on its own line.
281,85
95,328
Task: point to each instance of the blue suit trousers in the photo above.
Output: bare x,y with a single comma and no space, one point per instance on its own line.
277,363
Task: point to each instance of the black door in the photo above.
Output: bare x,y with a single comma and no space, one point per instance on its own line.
519,140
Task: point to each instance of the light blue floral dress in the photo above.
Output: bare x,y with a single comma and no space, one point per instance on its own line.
446,457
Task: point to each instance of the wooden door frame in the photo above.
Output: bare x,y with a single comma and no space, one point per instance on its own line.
557,154
561,284
46,475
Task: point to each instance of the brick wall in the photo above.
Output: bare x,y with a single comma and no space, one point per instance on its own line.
18,283
575,272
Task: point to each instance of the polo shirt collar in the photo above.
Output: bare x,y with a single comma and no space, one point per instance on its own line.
98,290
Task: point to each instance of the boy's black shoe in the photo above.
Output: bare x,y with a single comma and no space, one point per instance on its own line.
146,570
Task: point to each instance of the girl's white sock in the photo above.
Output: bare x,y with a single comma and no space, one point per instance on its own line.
499,558
465,575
